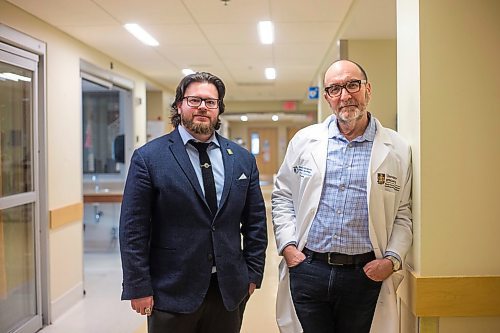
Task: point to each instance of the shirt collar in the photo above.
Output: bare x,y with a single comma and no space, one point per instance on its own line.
368,135
186,136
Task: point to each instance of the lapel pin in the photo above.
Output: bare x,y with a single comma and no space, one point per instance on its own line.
229,151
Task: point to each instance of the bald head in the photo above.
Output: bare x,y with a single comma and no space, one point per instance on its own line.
345,68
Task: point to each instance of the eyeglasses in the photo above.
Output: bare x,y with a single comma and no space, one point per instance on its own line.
351,87
195,101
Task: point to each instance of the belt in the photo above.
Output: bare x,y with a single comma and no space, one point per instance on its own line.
340,259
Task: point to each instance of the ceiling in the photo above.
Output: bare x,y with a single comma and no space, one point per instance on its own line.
221,37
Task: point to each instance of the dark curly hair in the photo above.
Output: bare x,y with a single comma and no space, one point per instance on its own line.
175,117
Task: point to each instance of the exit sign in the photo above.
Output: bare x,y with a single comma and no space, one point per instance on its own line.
290,106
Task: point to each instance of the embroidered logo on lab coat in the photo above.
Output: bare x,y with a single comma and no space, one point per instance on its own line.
390,182
302,171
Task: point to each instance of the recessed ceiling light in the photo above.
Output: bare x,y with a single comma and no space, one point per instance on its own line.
244,118
141,34
275,117
270,73
266,32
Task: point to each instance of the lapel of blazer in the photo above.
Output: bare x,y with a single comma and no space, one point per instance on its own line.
228,160
181,157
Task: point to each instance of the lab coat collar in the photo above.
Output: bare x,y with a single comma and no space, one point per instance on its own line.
381,147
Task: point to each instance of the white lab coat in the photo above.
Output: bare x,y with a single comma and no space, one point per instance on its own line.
295,200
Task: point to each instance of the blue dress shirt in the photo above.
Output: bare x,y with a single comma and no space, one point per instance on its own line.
341,222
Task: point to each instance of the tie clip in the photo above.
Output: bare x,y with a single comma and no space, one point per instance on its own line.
205,165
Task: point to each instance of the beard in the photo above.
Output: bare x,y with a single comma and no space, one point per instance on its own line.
351,110
349,113
198,127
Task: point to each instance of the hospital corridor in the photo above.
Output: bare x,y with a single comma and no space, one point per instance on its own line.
377,120
102,311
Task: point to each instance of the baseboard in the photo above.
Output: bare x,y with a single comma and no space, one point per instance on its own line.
66,301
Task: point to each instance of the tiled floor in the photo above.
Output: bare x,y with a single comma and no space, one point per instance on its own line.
101,311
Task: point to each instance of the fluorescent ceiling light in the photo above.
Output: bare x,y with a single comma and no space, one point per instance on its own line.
141,34
14,77
270,73
266,32
187,71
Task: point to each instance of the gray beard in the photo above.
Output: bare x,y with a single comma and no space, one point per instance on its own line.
356,115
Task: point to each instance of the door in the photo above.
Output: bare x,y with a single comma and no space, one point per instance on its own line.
290,133
264,146
20,286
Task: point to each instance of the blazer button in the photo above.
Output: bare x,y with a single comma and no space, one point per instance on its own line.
213,228
210,257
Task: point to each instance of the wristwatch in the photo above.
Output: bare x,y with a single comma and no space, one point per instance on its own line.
396,265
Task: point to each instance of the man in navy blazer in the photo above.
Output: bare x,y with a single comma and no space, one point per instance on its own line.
191,269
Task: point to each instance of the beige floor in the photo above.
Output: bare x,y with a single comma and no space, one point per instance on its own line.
102,311
260,314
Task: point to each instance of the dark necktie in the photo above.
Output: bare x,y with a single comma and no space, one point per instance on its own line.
207,175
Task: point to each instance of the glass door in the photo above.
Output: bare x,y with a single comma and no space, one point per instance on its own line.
20,294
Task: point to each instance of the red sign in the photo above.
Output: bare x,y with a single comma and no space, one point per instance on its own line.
290,106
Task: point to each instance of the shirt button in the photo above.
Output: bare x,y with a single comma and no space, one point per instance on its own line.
342,187
336,236
339,211
349,145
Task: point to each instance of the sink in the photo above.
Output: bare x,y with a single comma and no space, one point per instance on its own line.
103,188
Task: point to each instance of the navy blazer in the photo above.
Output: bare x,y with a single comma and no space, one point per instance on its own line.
168,234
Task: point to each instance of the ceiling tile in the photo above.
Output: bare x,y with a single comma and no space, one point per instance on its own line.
207,35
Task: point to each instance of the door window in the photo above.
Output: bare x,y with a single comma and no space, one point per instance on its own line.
19,297
103,128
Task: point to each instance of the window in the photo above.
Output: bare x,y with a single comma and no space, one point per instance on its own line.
103,109
21,187
255,143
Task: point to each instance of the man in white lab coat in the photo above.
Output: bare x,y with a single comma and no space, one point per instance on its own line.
342,216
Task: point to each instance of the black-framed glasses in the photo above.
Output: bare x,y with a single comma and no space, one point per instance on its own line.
195,101
335,90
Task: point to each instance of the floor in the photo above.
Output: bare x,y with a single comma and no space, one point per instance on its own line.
102,311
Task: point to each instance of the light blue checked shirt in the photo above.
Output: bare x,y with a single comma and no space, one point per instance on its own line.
341,222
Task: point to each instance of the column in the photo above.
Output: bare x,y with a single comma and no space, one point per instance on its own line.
448,108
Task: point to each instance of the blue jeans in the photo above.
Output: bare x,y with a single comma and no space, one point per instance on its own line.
333,299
